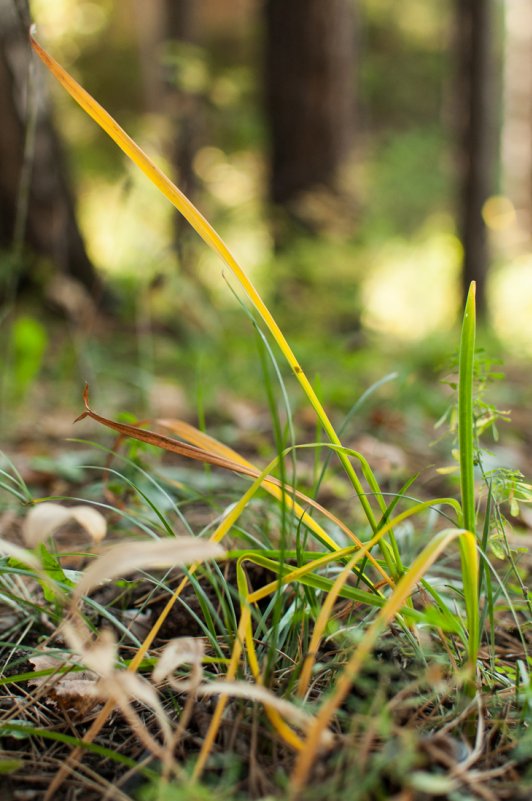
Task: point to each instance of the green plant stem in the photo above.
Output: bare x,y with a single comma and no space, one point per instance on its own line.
466,432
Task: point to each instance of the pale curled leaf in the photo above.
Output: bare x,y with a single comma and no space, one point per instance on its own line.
91,520
255,692
104,680
127,557
98,655
44,519
178,652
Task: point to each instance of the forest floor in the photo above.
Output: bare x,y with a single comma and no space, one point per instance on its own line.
405,730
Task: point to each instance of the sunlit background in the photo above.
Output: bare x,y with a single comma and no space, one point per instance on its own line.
402,262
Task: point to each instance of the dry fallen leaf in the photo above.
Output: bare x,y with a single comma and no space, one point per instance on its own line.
127,556
178,652
44,519
116,684
188,650
73,690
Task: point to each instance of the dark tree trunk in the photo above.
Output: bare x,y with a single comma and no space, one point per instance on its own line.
162,27
310,93
186,108
181,19
36,202
168,31
478,107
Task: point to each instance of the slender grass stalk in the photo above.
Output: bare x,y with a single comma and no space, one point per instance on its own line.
322,621
466,425
275,718
484,542
232,668
466,437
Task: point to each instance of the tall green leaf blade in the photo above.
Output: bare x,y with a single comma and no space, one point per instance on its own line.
466,433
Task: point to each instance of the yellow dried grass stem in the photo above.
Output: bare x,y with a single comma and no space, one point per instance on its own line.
282,492
275,718
210,237
216,719
320,625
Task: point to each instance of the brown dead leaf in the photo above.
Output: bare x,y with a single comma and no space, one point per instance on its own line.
75,691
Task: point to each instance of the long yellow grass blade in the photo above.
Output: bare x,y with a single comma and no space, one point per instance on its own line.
282,492
209,236
320,626
216,719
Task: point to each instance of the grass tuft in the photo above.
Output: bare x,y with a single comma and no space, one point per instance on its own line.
331,639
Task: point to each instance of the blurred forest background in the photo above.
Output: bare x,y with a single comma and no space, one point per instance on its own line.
364,161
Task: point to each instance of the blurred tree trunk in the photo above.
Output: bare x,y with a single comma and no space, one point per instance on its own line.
186,109
168,36
517,126
161,26
149,26
477,101
37,207
310,50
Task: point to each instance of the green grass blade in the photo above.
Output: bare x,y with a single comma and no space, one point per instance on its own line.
21,729
466,432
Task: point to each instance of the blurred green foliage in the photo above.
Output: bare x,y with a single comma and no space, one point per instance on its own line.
400,192
29,343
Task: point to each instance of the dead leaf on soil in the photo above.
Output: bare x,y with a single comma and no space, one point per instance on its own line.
73,690
118,685
127,556
188,650
45,519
